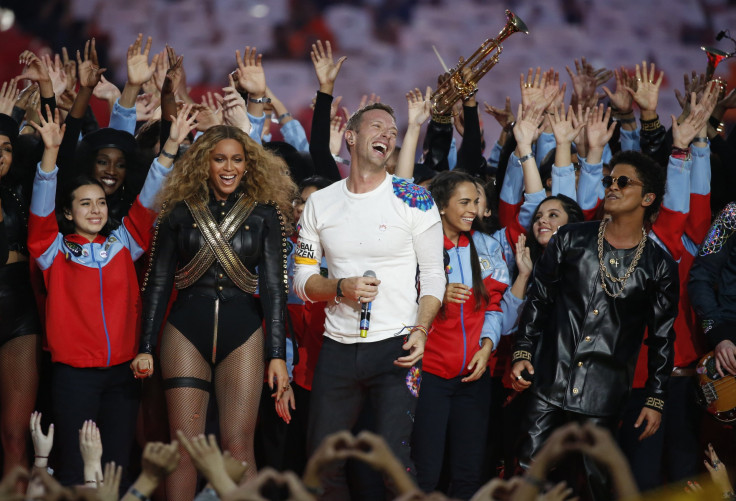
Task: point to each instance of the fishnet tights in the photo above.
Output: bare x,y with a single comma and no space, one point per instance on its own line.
18,386
238,382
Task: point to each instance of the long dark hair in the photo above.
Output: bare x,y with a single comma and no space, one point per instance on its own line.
574,215
64,203
442,187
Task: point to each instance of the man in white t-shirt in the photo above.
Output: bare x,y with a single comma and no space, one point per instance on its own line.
370,221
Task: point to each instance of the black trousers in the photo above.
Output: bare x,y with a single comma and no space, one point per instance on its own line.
108,396
345,376
540,420
674,450
450,411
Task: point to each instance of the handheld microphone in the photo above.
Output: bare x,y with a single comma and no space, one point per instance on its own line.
365,310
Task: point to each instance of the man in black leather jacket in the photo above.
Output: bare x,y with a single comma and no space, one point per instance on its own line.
598,286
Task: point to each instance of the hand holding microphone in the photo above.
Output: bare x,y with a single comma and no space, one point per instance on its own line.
365,309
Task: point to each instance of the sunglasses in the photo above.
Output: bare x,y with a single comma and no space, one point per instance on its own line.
621,181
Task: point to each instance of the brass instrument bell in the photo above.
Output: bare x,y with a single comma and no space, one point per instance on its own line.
462,82
715,56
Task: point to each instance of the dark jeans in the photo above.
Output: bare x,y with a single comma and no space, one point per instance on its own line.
108,396
674,449
540,420
456,411
346,374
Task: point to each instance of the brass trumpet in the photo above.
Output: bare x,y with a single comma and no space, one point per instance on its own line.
459,86
715,55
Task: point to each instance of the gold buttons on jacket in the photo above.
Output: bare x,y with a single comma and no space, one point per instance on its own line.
580,364
575,391
595,312
219,288
587,338
220,275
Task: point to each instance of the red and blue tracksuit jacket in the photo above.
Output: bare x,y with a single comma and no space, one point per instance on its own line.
93,305
457,330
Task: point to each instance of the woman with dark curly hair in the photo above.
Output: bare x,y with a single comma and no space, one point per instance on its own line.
221,234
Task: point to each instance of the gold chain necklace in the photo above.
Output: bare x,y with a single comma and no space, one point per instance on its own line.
604,271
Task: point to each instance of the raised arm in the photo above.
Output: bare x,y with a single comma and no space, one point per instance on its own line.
326,70
139,72
526,131
565,131
419,110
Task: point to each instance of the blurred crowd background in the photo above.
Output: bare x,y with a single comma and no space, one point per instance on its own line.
388,42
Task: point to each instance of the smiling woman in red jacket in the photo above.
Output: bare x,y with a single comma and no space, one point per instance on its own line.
455,392
93,305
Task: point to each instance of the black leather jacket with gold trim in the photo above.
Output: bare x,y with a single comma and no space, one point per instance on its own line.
584,344
260,243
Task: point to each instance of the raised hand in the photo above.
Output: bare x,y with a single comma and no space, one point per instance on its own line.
89,69
524,262
621,99
584,83
8,96
90,442
503,116
562,125
146,106
532,88
51,132
181,125
598,132
208,459
601,75
90,446
208,117
34,68
107,490
106,90
250,74
234,110
160,459
324,66
139,70
337,134
235,469
42,443
648,82
56,73
174,75
684,133
552,93
697,85
419,106
526,130
70,68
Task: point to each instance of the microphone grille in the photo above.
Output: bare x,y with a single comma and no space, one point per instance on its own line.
370,273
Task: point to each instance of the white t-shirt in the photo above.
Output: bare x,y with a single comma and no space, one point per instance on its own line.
389,230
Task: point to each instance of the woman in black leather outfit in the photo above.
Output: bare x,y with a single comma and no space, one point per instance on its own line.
19,324
220,235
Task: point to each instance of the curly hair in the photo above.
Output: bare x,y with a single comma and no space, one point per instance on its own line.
266,179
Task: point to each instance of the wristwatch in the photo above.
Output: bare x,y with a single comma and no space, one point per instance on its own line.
260,100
